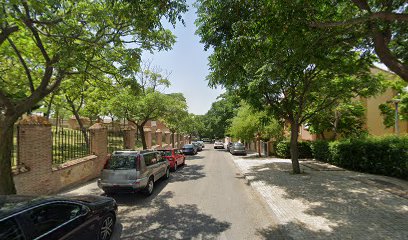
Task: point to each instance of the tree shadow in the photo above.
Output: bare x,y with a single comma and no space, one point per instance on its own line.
187,172
329,205
193,157
170,222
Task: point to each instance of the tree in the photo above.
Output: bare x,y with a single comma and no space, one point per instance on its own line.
345,119
249,122
176,114
388,108
218,118
266,52
44,42
381,26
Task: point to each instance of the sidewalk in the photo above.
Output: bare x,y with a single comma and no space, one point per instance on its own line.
326,202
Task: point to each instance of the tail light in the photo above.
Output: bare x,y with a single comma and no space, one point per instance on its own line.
105,166
137,162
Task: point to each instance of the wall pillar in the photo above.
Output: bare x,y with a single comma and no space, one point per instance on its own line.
159,138
167,138
148,137
129,137
175,137
35,154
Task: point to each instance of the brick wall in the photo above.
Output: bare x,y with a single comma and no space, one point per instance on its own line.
35,156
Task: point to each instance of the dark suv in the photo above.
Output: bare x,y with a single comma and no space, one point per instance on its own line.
48,218
133,171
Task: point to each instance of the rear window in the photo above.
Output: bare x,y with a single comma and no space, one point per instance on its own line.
238,144
166,153
188,146
117,162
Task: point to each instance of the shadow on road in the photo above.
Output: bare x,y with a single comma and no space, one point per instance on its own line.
193,157
188,172
170,222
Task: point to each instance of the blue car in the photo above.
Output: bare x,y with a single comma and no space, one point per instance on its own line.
189,149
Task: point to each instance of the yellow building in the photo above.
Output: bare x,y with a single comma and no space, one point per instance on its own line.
373,118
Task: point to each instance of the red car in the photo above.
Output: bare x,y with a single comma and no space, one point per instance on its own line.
174,156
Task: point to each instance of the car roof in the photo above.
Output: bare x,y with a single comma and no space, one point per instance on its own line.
11,204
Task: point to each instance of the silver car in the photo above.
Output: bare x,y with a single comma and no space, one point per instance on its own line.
133,171
237,148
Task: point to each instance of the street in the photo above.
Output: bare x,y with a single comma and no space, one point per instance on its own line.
206,199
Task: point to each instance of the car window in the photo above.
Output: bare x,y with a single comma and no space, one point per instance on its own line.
10,230
117,162
150,158
45,218
166,153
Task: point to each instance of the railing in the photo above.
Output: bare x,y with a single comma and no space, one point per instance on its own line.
115,139
69,144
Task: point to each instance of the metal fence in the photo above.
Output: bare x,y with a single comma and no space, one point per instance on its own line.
69,144
115,139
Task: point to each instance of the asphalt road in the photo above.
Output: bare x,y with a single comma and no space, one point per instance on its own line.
206,199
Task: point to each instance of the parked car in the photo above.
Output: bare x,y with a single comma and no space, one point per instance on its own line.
229,145
189,149
79,217
198,146
237,148
133,171
174,156
218,144
201,143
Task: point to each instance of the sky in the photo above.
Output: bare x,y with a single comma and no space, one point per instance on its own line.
188,64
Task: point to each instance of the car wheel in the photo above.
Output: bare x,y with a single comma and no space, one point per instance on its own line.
175,166
149,187
106,227
167,175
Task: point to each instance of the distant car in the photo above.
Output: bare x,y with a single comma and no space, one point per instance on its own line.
174,156
79,217
237,148
189,149
201,143
218,144
229,145
133,171
198,146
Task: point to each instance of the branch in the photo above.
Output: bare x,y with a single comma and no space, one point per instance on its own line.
27,70
5,101
385,16
362,4
6,32
386,56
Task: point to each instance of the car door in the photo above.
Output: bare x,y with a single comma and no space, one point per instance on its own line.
10,229
57,220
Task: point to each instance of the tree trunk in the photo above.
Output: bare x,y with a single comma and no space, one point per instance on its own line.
142,136
294,150
6,147
172,139
48,112
81,127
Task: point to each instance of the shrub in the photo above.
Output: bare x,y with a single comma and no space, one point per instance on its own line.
320,150
385,155
283,149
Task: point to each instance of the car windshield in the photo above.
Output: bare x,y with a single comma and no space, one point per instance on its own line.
166,153
117,162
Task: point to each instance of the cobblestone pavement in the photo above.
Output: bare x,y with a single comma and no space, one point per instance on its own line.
319,204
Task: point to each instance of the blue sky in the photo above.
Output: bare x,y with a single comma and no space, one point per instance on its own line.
188,64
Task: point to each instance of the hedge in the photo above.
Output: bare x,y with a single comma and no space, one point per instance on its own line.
378,155
385,155
283,149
